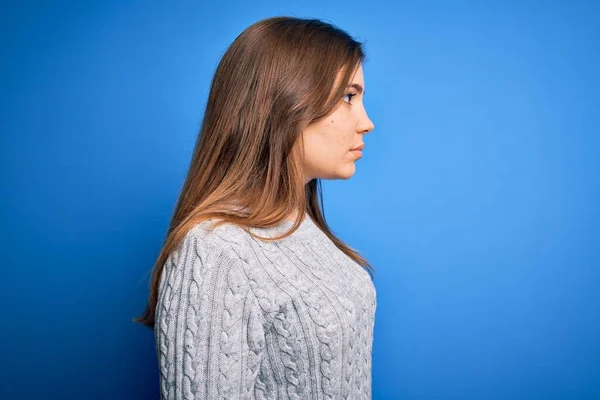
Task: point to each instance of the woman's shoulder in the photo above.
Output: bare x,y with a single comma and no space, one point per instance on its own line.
226,236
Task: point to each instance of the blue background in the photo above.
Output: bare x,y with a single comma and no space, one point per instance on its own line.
477,199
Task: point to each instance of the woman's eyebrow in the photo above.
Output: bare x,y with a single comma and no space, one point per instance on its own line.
358,87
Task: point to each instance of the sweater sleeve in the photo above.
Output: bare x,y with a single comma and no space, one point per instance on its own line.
209,327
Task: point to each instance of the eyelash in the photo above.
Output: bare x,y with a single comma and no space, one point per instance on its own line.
351,95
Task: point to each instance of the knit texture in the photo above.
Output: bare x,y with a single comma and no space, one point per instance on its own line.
239,318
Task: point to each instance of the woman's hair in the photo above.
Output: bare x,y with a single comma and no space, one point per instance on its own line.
278,76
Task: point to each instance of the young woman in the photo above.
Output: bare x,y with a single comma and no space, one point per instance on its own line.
252,295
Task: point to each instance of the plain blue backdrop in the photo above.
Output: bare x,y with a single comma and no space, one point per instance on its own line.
477,199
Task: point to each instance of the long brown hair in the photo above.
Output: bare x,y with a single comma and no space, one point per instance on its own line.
278,76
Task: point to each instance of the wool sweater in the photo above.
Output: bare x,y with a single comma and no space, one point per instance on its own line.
241,318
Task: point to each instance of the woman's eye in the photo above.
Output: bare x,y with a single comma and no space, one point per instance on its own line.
351,95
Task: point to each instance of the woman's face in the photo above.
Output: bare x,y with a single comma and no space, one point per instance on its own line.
328,142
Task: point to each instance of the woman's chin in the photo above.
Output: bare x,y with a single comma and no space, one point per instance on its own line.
348,171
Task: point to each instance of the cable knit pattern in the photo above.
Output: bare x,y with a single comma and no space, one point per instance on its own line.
239,318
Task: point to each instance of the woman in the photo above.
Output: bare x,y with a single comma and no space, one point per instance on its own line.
252,295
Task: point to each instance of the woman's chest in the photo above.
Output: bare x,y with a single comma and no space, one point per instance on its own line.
319,285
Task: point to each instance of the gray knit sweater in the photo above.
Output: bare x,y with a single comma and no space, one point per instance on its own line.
239,318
